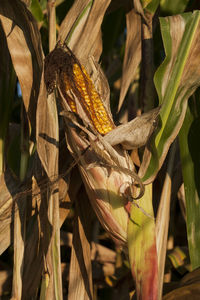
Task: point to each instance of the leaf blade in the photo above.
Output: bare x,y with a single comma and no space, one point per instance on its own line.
175,80
188,141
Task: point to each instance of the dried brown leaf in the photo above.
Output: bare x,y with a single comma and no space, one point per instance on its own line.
97,47
5,281
9,188
19,245
24,44
135,133
189,288
88,29
37,242
69,22
48,151
80,274
51,8
36,247
47,131
90,32
132,55
162,219
47,147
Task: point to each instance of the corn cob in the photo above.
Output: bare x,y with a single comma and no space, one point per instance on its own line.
83,87
63,68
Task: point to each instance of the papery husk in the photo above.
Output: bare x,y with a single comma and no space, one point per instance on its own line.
103,187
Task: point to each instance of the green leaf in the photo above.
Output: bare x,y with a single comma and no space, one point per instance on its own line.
190,158
150,5
175,80
172,7
36,10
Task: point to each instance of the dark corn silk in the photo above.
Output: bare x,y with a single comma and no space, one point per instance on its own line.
63,68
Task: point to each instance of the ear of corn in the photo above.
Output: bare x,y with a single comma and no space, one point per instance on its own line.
83,87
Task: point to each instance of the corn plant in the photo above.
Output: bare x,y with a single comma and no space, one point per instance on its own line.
67,82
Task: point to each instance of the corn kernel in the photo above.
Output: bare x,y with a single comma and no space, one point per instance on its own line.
89,99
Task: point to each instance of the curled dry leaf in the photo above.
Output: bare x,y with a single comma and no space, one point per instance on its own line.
135,133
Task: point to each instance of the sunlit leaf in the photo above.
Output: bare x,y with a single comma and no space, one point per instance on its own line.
133,46
176,79
85,24
171,7
25,49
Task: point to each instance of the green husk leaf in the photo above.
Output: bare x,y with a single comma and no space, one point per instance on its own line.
142,247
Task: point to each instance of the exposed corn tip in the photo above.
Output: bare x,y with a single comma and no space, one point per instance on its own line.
90,100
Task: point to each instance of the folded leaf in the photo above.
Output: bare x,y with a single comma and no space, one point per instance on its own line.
135,133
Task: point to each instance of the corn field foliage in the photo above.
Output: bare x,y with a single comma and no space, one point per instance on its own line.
99,149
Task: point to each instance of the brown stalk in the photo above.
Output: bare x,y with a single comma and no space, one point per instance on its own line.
51,9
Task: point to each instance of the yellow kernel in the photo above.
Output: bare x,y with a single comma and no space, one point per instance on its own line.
89,99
